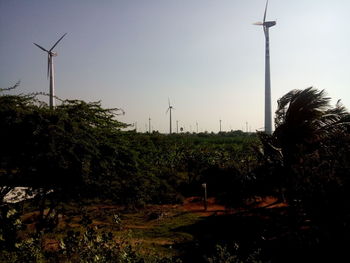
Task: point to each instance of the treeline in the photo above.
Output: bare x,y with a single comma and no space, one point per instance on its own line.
81,149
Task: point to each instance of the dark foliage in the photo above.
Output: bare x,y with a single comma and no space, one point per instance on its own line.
307,158
77,150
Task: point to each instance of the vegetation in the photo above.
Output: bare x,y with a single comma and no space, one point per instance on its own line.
93,182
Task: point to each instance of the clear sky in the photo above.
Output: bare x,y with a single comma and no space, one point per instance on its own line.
205,55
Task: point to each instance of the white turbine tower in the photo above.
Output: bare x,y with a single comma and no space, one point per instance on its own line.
50,70
169,109
266,25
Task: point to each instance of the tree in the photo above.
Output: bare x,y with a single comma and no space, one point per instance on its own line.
308,157
304,119
58,153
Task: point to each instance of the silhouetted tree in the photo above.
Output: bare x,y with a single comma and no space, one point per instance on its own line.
307,158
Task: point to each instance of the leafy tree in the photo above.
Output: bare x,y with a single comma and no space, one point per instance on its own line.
73,149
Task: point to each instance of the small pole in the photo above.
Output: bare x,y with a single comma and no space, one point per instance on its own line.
205,196
149,125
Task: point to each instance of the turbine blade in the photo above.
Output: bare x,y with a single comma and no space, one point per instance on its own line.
41,47
267,1
57,42
169,102
48,66
167,110
258,23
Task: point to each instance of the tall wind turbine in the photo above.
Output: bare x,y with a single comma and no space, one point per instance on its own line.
169,109
266,25
50,71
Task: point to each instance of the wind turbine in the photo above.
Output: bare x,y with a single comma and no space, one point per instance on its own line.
50,71
266,25
169,109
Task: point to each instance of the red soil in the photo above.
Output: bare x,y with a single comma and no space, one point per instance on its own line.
196,205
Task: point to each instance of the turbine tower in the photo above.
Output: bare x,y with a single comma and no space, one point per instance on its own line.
169,109
50,71
266,25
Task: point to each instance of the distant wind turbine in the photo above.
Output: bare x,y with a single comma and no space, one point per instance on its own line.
50,70
169,109
266,25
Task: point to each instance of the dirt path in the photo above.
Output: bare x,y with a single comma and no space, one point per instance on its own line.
196,205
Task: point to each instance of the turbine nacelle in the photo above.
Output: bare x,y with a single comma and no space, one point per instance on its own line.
265,24
269,23
169,108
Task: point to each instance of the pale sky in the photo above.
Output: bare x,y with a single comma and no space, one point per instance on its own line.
205,55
